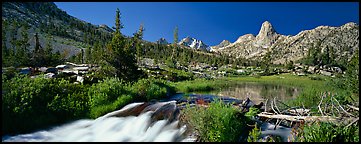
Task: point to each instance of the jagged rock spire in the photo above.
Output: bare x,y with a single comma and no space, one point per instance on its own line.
267,35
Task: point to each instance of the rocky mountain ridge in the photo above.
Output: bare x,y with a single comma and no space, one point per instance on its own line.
194,43
65,32
344,40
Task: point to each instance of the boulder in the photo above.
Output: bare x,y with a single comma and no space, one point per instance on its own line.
240,71
49,75
311,69
80,79
336,69
43,69
326,73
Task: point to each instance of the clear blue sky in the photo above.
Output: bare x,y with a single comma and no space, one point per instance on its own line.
213,22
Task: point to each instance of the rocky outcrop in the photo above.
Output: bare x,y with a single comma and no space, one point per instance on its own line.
224,43
66,33
162,41
343,40
266,37
194,43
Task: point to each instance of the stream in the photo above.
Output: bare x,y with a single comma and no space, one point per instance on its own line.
156,121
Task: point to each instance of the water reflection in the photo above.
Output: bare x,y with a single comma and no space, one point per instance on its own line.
259,92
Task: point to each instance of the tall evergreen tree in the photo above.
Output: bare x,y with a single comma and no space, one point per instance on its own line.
88,55
118,24
326,56
38,53
266,63
138,36
5,51
175,35
120,55
23,45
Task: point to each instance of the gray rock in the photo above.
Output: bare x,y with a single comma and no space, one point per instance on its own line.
49,75
343,40
80,79
194,43
311,69
326,73
336,69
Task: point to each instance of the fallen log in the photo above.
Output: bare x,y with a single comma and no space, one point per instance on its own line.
344,120
353,107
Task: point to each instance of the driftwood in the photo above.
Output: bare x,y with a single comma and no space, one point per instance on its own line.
307,118
353,107
299,112
265,106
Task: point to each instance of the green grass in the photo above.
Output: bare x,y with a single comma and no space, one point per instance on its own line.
210,128
327,132
312,87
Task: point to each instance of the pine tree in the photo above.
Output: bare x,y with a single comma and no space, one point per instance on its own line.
118,24
175,34
266,63
120,55
23,52
48,54
352,73
171,60
88,55
326,56
38,53
5,51
138,36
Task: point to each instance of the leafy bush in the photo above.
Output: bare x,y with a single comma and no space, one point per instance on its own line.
327,132
218,123
252,112
101,110
106,92
254,135
148,89
41,102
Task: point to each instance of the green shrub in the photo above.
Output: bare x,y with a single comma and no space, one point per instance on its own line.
252,112
328,132
254,135
41,102
106,92
148,89
217,123
101,110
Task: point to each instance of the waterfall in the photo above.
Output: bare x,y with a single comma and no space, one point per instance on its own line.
136,122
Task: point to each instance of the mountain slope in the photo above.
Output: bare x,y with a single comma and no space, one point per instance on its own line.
194,43
66,32
343,40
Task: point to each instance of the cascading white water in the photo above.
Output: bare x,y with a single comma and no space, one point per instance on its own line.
135,122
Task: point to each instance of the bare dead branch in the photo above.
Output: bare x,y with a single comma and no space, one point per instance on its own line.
265,105
353,122
276,124
353,107
307,118
273,108
274,101
319,106
342,108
